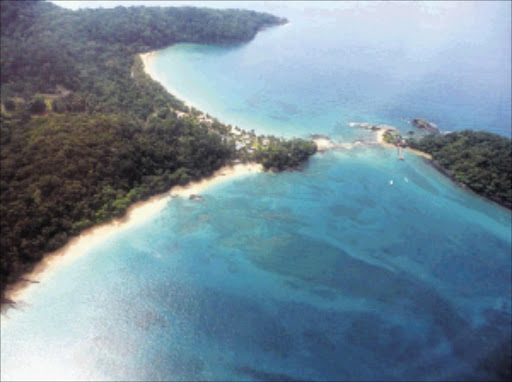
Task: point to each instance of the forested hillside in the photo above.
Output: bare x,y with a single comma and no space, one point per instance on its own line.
482,161
90,51
85,132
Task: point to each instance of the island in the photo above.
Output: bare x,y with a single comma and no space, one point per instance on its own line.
86,133
422,123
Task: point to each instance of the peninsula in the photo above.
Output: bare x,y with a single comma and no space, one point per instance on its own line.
477,160
86,133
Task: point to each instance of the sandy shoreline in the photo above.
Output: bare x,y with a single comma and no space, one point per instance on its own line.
141,211
382,142
420,153
147,60
136,214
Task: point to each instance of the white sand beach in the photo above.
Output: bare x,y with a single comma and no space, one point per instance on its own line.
420,153
148,59
136,214
380,136
141,211
380,140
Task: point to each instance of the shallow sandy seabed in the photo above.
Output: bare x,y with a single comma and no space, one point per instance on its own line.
136,214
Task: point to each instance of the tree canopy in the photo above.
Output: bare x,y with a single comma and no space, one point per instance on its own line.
85,132
482,161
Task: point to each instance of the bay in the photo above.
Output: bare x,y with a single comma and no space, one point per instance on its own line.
329,273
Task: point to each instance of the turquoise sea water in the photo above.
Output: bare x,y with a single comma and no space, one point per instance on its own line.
343,62
329,273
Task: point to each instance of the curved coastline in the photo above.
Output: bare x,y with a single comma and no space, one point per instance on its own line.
435,165
143,210
442,170
380,140
136,214
147,61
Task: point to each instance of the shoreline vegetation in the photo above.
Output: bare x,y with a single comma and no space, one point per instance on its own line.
274,153
142,210
136,214
86,134
474,160
77,156
386,136
147,63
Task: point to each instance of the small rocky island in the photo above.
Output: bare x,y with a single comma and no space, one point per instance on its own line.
426,125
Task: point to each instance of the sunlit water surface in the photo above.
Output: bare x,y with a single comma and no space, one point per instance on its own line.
329,273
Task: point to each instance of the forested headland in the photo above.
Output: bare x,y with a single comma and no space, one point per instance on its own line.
85,132
479,160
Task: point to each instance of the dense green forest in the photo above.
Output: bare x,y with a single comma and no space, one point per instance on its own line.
479,160
282,155
85,132
89,51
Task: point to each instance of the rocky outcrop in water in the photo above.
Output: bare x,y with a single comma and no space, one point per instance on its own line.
426,125
366,125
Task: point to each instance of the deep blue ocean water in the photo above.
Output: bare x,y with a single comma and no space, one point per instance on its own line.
328,273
